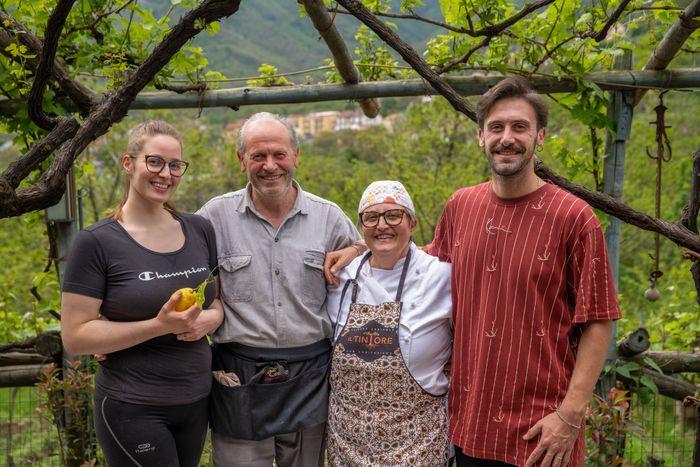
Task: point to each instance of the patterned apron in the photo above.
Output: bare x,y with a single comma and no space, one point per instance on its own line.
378,414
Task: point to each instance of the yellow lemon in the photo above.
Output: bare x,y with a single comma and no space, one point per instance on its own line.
186,300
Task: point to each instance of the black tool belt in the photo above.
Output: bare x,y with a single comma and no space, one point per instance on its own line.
281,390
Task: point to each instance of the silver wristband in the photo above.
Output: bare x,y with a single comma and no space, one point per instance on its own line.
571,425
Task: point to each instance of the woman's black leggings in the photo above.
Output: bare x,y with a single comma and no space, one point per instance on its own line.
149,435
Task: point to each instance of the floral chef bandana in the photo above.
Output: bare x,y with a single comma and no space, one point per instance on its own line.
386,191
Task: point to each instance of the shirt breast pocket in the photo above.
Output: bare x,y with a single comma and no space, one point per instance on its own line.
236,278
314,290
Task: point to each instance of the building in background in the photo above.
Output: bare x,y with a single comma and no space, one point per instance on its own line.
313,124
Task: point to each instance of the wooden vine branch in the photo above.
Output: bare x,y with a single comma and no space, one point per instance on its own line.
22,363
45,67
672,42
47,344
675,232
97,18
51,184
464,58
670,386
19,169
181,89
341,56
603,33
503,25
12,32
634,347
689,219
411,16
492,30
412,58
634,343
671,361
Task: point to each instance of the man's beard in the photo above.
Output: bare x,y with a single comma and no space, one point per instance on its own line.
511,170
269,192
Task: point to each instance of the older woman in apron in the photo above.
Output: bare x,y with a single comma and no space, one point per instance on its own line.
393,338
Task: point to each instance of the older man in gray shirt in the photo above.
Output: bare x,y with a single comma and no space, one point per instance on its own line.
270,390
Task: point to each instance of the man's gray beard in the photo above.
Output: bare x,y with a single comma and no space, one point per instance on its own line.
265,194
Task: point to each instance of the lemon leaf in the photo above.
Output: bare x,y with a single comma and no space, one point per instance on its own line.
200,293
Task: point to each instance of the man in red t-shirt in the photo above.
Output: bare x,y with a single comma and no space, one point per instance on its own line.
533,298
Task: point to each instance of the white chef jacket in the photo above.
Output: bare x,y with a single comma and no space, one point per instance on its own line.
425,327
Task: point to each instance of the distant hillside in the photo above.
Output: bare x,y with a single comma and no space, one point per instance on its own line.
273,32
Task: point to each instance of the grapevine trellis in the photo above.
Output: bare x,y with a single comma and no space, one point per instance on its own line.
85,115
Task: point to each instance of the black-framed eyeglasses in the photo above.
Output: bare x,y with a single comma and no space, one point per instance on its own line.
392,217
155,164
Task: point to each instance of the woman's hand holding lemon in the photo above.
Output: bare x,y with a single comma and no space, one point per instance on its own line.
174,321
207,322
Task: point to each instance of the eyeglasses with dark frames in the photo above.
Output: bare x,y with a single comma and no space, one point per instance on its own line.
392,217
155,164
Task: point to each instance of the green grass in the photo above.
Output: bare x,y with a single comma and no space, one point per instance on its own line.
26,437
668,435
32,440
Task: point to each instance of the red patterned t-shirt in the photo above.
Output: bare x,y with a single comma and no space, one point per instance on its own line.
526,273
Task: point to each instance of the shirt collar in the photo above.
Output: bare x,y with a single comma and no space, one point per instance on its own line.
367,269
301,204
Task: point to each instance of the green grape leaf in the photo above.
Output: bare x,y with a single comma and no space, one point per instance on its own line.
646,381
653,364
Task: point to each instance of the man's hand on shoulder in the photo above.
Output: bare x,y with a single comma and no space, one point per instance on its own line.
334,261
557,439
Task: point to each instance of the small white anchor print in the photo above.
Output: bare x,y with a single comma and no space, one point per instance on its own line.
492,267
540,203
540,333
545,255
492,332
500,416
491,229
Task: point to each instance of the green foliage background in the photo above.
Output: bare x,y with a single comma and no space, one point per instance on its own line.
432,149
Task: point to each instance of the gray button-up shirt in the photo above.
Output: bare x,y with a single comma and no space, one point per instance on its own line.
272,284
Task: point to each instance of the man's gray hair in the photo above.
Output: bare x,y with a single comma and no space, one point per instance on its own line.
266,116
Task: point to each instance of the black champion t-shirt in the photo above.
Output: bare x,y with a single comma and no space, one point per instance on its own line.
133,283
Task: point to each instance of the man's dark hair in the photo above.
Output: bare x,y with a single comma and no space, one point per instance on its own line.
512,87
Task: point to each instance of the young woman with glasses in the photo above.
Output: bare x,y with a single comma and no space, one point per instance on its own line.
151,390
393,338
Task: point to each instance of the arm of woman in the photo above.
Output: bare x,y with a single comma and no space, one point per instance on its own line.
83,332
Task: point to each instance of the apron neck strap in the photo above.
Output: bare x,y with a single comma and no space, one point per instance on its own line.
357,275
351,282
404,272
